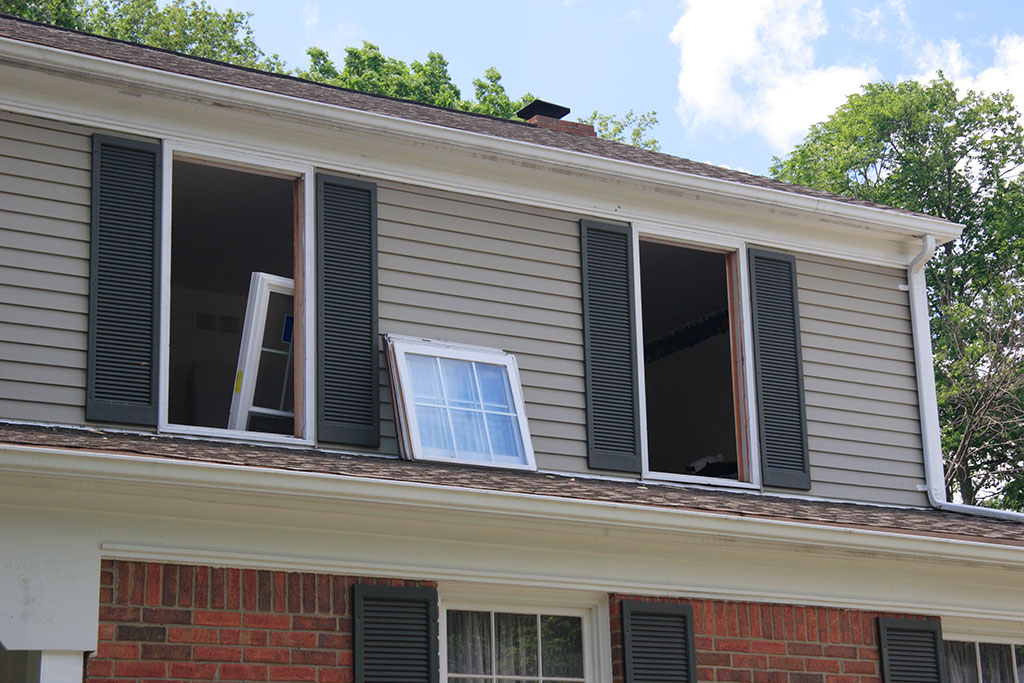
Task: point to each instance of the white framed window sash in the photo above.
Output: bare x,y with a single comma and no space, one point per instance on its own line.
748,449
305,324
408,426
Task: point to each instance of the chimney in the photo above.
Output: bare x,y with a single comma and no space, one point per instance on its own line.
546,115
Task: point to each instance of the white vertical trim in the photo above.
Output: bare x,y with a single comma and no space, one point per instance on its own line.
164,350
749,382
59,666
310,287
638,336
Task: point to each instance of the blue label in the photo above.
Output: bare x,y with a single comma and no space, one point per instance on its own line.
289,329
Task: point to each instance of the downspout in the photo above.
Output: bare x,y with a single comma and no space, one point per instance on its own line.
931,441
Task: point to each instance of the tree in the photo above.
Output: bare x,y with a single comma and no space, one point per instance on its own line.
928,148
66,13
614,128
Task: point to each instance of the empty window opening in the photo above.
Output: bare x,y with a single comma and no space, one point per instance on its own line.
690,366
227,225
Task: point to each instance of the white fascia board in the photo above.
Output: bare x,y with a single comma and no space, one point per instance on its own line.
186,476
36,57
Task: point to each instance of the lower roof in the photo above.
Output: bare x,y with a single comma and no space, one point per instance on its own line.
915,522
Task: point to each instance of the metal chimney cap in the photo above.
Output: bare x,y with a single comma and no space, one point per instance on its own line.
542,108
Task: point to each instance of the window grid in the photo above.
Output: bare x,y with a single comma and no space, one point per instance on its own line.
483,411
1016,661
494,676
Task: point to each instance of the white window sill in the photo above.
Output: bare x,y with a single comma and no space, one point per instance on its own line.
234,435
693,479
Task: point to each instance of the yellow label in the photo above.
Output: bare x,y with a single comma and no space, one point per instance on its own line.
238,382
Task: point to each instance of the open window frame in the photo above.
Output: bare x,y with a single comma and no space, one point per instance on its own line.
304,284
408,427
742,346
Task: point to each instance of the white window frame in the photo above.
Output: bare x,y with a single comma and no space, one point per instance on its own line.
409,436
261,286
224,157
697,239
1012,644
591,607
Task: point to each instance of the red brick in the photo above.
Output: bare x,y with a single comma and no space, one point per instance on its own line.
151,634
265,590
138,582
123,582
246,637
250,588
800,621
217,618
750,661
340,594
703,674
806,678
704,642
281,591
292,639
202,589
122,614
733,675
867,653
243,672
787,663
154,583
822,625
732,644
309,593
193,671
165,651
170,585
293,673
843,679
824,665
167,616
99,667
755,621
778,623
186,585
841,651
300,623
334,676
789,622
743,616
345,657
770,677
714,659
720,620
181,634
108,650
806,649
812,623
833,625
211,653
217,579
768,647
267,621
107,563
106,595
266,655
233,588
854,667
318,657
323,594
139,669
732,628
294,592
106,631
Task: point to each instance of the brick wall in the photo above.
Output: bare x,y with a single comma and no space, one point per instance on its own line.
172,622
762,643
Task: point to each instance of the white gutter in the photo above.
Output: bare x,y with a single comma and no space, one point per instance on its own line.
931,440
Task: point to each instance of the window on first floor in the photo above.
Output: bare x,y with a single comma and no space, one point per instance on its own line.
971,662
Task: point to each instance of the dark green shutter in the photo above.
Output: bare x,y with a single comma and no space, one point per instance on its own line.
124,273
912,651
657,641
779,372
609,334
395,634
347,355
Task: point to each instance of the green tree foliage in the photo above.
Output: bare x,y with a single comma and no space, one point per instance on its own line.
630,129
928,148
66,13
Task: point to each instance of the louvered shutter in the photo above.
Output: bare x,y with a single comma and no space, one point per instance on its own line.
347,353
778,367
912,651
609,332
657,643
395,635
124,269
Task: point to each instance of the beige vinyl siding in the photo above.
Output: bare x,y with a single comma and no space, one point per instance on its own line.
44,268
863,423
494,274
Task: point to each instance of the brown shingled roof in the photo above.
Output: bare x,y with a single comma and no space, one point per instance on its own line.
165,60
917,522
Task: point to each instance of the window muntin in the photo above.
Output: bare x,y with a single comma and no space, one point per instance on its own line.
689,309
485,646
970,662
456,402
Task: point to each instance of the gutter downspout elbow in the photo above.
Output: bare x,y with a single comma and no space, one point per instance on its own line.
931,440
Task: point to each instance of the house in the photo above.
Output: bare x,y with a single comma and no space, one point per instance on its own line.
303,384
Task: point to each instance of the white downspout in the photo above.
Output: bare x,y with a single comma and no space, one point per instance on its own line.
931,440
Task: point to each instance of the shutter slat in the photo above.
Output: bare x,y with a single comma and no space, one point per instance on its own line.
779,372
912,651
124,282
658,643
395,635
613,419
347,354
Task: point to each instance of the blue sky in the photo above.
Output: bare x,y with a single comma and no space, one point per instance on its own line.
734,82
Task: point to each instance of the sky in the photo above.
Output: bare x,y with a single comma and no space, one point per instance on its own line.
734,82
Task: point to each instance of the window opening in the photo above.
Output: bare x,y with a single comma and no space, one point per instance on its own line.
455,402
970,662
227,225
691,361
486,647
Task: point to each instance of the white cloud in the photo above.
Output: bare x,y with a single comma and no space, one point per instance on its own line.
946,55
634,15
310,15
867,24
1007,73
749,65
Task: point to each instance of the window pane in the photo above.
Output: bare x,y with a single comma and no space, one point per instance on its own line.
996,663
469,642
962,663
1020,662
561,641
505,440
470,439
425,379
459,383
516,641
434,433
497,394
